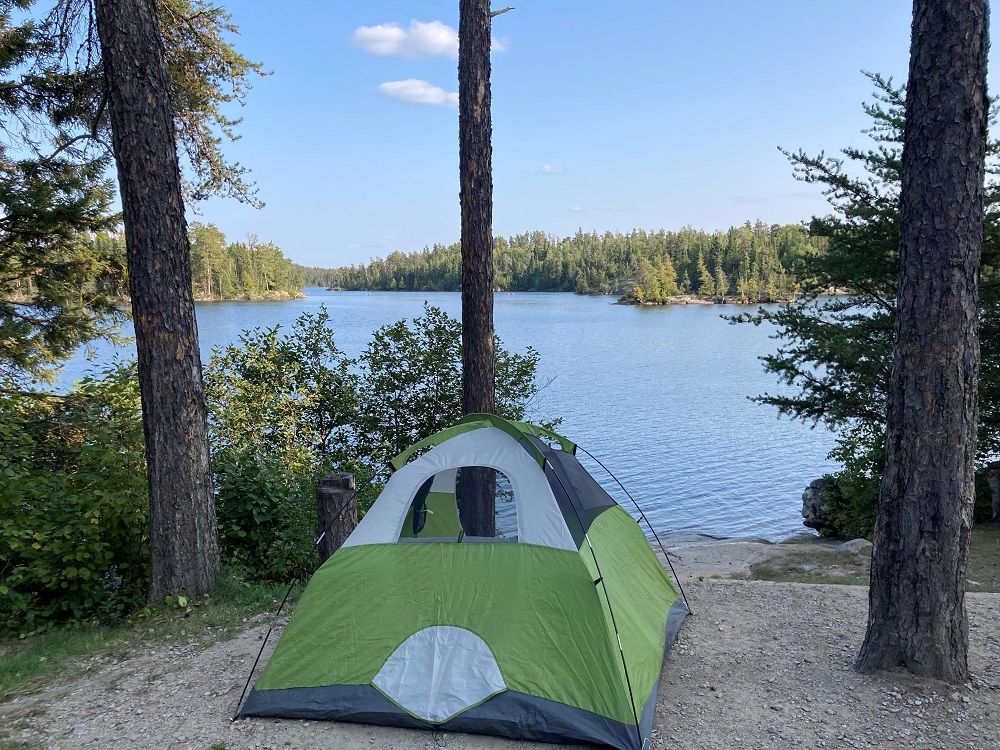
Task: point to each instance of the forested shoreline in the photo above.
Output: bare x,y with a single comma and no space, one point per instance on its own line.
221,270
752,263
250,270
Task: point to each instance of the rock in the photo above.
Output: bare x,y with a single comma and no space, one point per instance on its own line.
812,511
860,547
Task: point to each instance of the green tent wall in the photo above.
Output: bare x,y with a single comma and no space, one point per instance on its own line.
519,639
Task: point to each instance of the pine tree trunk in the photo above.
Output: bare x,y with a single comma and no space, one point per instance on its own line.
917,618
183,538
475,155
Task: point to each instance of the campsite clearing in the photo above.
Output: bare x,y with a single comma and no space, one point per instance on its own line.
760,665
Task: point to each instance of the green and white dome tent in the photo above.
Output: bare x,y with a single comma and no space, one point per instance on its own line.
554,629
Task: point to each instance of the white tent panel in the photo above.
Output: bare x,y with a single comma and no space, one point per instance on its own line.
439,672
539,520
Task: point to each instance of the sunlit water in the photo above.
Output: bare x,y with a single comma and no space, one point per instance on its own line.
659,394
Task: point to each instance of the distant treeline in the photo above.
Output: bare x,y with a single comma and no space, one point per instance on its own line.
754,262
220,270
239,270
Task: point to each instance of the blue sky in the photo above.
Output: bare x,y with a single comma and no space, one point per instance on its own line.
606,116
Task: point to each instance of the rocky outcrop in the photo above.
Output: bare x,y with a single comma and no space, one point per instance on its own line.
860,547
812,509
683,299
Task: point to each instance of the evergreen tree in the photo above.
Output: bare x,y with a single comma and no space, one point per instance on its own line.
538,262
706,282
667,278
184,542
55,195
721,283
208,259
50,301
917,619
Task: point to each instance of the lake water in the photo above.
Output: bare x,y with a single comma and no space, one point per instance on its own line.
659,394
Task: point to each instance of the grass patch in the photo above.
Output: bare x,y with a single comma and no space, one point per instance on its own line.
797,563
812,566
984,558
29,663
800,539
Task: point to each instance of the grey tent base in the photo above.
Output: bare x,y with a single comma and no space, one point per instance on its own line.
508,714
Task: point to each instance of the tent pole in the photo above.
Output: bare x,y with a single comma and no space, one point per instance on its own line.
614,623
655,535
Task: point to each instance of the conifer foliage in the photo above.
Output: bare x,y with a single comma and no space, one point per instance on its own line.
752,263
59,273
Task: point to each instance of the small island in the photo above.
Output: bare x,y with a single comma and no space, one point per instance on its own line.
750,264
250,270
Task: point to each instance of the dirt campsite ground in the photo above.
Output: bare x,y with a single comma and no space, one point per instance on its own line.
762,664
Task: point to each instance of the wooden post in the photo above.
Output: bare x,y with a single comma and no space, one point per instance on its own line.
333,493
993,477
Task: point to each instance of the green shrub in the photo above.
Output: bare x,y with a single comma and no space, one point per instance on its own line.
282,412
410,383
73,504
850,500
984,498
288,408
266,514
849,506
285,409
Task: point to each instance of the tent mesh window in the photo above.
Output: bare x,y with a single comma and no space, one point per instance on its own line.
482,492
470,504
457,505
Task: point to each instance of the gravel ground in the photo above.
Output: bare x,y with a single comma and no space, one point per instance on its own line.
760,665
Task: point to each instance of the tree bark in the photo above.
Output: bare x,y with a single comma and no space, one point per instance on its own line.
475,155
183,538
917,618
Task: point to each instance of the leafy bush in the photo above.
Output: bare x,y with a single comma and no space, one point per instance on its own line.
850,500
286,409
411,383
983,512
74,508
849,507
266,514
289,396
281,413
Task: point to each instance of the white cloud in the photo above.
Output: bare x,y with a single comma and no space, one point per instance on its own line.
544,169
414,91
418,40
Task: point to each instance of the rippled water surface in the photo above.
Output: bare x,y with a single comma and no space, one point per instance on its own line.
659,394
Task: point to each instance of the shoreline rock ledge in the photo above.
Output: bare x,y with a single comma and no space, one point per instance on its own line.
812,509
